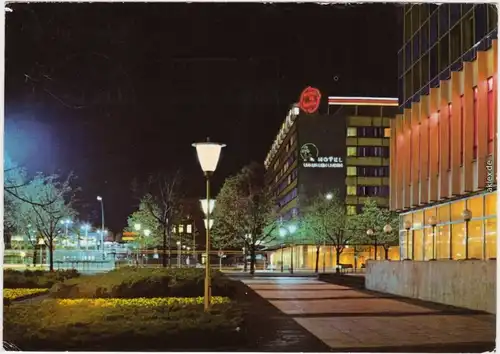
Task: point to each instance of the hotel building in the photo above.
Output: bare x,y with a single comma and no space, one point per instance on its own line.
347,150
444,143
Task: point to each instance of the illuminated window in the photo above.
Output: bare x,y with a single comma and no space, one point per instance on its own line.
189,229
174,229
418,245
387,132
461,130
351,151
428,244
491,118
490,204
490,226
457,241
475,129
351,131
456,210
351,190
449,136
475,239
438,119
351,170
181,229
443,242
351,210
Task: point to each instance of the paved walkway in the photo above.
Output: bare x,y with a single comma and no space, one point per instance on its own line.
356,320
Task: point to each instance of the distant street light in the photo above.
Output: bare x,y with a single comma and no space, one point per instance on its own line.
208,157
86,228
372,234
329,196
99,198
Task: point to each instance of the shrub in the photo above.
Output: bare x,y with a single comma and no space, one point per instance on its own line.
16,294
123,325
36,279
143,282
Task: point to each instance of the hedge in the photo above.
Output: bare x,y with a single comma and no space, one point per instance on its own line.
13,279
17,294
124,325
130,282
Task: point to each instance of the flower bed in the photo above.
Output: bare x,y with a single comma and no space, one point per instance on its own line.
142,324
22,293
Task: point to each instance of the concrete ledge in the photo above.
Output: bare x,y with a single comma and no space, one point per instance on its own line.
468,284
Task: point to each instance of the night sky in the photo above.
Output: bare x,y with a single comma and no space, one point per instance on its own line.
117,91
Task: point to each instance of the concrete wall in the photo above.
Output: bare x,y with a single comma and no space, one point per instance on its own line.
469,284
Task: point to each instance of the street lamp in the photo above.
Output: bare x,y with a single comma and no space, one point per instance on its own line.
86,228
66,222
467,215
407,226
433,222
99,198
372,234
147,232
387,230
329,196
291,229
208,156
41,243
178,254
208,223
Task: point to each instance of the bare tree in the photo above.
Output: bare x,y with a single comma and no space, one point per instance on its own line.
163,201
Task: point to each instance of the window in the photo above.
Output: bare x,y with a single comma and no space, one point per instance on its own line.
491,118
387,132
475,129
449,136
438,122
351,210
491,237
492,17
461,130
351,131
455,43
181,229
351,190
444,52
468,31
481,20
434,28
444,17
434,61
351,170
351,151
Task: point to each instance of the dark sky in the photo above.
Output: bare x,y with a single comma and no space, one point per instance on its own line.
117,91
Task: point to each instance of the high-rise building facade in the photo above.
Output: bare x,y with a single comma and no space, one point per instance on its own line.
444,143
347,150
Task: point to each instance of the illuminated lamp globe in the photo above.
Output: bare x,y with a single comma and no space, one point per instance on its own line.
147,232
292,228
137,227
467,215
432,220
407,224
206,206
282,232
387,229
210,224
208,155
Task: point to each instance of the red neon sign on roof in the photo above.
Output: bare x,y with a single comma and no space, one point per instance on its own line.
309,100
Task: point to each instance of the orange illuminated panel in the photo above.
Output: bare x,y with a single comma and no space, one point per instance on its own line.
362,101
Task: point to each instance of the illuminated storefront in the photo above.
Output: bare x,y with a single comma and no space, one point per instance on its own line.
445,140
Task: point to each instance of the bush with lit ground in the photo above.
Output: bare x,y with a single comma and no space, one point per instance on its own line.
161,324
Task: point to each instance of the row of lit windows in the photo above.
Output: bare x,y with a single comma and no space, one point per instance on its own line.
369,132
368,171
180,229
368,191
368,151
287,198
289,162
476,239
291,177
490,121
422,64
457,28
288,146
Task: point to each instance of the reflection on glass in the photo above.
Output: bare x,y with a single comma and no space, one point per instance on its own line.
443,214
428,244
418,239
458,241
428,213
491,237
476,239
456,210
418,219
475,205
443,242
491,204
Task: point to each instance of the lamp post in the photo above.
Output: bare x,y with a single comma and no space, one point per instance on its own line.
371,234
66,223
208,156
86,228
282,234
178,254
137,228
407,226
291,229
99,198
40,243
467,215
387,230
147,232
433,222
